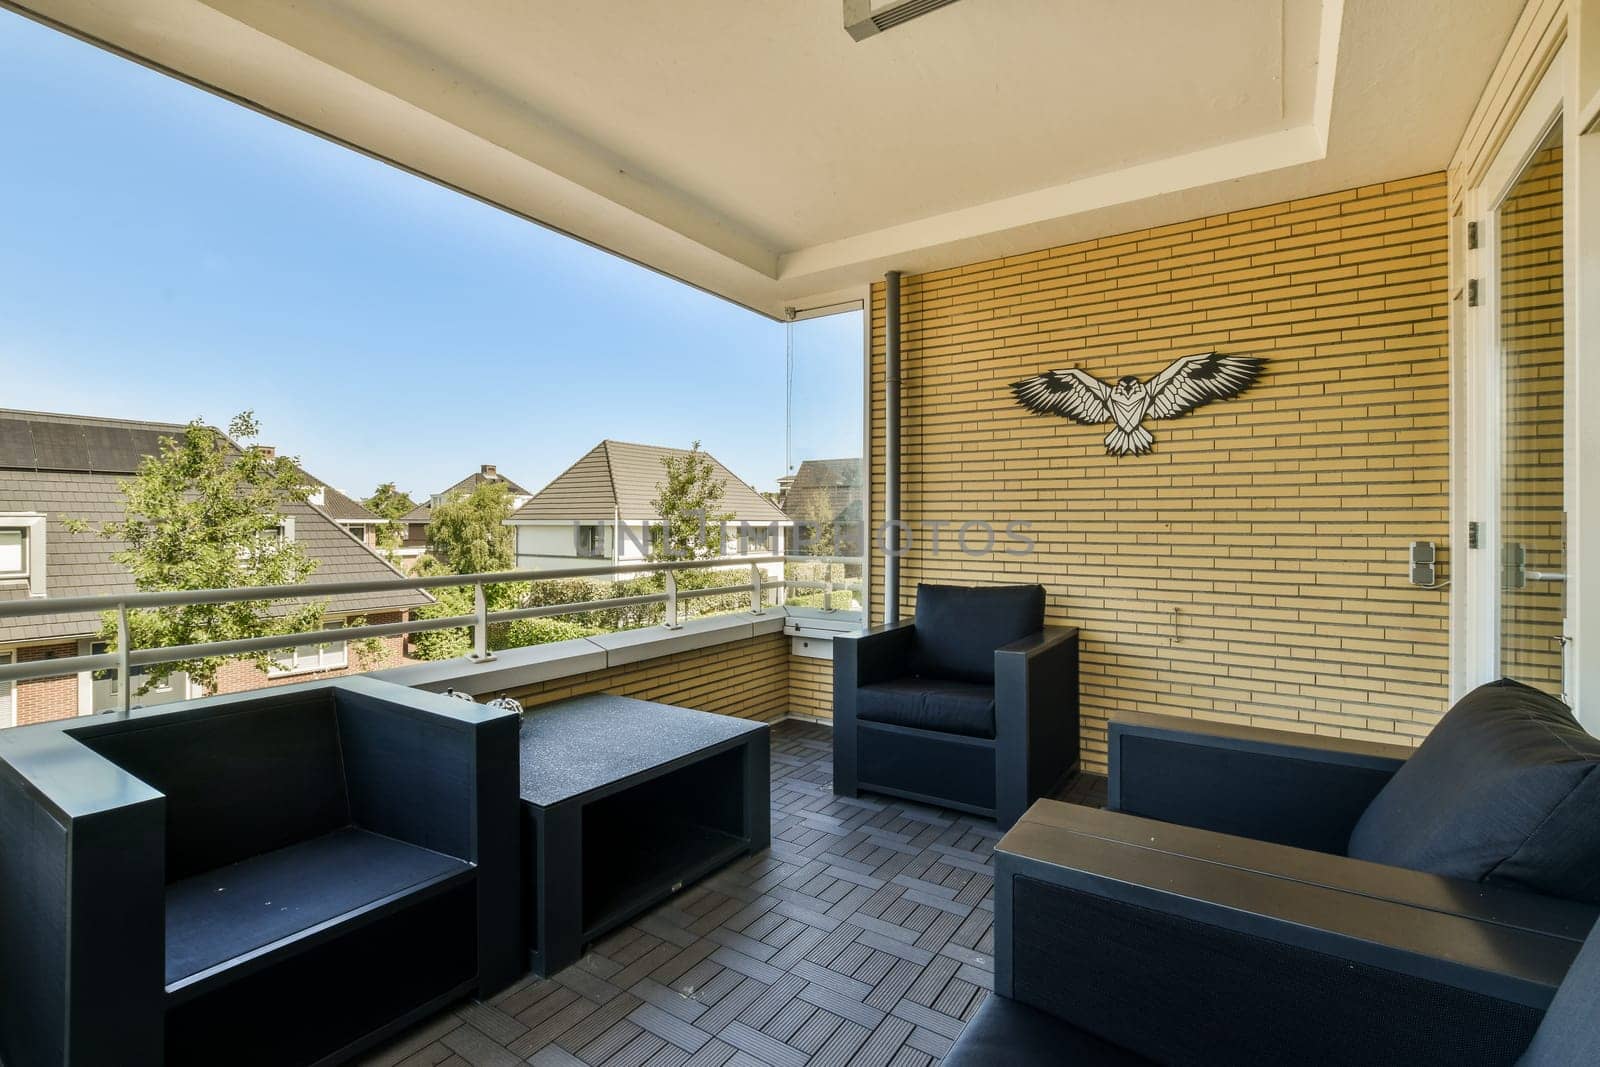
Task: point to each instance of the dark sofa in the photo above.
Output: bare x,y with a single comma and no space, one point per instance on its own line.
973,706
1262,897
275,878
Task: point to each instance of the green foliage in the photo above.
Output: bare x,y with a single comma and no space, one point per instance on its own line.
468,533
389,502
687,502
523,632
205,515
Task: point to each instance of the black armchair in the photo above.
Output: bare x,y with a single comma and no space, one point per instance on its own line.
1269,897
274,878
974,706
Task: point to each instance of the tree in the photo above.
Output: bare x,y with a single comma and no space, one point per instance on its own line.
391,503
207,514
691,523
468,533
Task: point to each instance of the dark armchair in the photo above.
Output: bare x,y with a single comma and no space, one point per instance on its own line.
274,878
1268,897
973,706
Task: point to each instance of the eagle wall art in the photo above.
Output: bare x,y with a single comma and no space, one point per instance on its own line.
1185,385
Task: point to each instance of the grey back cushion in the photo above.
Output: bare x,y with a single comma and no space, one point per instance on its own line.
1505,790
958,628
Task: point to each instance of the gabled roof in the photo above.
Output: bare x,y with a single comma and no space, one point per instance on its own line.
341,508
618,478
825,490
68,467
477,478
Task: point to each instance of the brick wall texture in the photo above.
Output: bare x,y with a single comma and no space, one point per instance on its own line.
44,699
749,679
1253,568
811,687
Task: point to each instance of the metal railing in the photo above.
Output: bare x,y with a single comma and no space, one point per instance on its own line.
124,658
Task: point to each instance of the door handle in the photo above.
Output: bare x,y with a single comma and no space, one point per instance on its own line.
1544,576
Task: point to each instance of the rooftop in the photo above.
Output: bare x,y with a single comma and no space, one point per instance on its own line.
69,467
618,478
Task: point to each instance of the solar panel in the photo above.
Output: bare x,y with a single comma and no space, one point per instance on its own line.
59,447
113,449
16,444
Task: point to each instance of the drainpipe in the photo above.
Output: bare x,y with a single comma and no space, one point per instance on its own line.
891,457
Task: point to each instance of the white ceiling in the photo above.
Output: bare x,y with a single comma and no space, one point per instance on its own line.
752,148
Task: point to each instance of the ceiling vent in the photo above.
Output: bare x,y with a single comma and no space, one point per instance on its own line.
867,18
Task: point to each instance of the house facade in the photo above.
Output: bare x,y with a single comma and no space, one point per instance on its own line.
58,470
600,510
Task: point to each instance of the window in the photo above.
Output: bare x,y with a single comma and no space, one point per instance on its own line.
826,498
591,541
358,531
755,539
8,695
14,552
303,659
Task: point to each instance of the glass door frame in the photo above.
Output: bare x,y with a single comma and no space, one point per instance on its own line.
839,304
1478,434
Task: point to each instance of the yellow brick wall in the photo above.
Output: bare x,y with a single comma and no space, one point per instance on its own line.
749,679
811,687
1253,568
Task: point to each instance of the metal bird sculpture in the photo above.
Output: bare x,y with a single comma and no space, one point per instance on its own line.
1185,385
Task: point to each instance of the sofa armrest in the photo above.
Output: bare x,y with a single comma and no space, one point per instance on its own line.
1272,785
81,918
1216,949
1036,718
423,768
444,774
877,655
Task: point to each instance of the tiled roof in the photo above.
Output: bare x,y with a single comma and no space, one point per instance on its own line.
477,478
615,477
80,564
339,507
825,490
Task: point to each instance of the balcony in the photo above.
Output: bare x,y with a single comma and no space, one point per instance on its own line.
1253,382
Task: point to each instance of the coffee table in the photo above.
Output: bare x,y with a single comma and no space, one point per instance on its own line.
624,803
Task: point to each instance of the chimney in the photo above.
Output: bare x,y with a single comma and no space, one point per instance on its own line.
487,470
267,450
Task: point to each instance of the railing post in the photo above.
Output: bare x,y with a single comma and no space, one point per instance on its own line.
480,628
755,590
125,687
672,622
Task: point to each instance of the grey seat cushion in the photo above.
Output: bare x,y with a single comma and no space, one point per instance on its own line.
958,628
1505,790
930,704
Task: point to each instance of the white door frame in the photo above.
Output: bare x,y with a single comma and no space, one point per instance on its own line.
1479,435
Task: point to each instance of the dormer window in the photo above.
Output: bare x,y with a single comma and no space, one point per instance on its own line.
22,550
13,552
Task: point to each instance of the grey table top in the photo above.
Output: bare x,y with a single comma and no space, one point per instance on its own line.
574,746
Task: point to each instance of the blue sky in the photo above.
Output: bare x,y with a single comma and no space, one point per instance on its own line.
167,255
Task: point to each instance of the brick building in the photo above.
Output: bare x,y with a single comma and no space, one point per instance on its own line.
58,468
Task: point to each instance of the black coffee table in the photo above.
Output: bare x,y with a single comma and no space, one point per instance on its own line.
625,802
